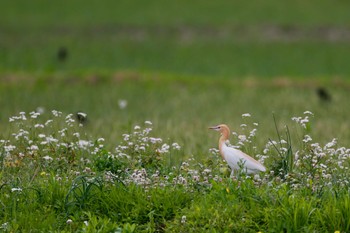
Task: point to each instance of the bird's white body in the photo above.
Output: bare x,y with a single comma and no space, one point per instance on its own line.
236,159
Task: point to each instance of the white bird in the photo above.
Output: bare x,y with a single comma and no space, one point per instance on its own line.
236,158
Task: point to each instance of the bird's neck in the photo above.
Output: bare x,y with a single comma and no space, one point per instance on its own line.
222,142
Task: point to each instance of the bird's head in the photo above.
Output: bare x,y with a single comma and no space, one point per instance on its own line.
222,128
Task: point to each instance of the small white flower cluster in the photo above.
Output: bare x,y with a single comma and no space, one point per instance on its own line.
52,141
140,156
139,177
313,165
183,219
185,176
201,176
20,117
4,226
304,120
323,165
139,143
245,140
16,190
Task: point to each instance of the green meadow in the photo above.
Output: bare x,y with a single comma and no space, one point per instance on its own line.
151,77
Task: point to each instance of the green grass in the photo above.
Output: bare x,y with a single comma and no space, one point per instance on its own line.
224,38
214,58
89,189
81,13
181,109
184,66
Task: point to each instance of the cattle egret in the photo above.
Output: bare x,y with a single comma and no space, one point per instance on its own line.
236,159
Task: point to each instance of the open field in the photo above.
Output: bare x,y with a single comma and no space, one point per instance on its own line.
152,76
81,190
229,39
182,109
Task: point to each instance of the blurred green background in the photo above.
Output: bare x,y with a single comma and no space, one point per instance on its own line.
182,64
226,38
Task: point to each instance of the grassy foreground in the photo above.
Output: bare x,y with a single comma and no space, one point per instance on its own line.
55,178
143,162
151,77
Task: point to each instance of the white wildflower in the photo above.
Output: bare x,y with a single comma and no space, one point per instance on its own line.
126,137
69,116
34,147
155,140
331,144
206,171
48,122
183,219
164,149
308,112
51,139
16,190
9,148
252,133
242,138
40,110
307,139
48,158
34,115
122,104
4,226
246,115
257,177
296,119
83,144
176,146
23,116
214,151
304,121
39,126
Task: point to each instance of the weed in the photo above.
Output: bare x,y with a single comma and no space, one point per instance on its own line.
79,185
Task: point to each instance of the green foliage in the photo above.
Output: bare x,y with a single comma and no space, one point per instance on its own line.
183,66
224,38
119,192
284,163
104,162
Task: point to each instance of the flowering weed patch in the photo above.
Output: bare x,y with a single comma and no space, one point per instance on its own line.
55,174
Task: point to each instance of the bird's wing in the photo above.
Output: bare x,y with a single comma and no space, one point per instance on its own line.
234,156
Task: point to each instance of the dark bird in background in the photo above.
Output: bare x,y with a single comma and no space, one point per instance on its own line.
323,94
62,54
81,117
